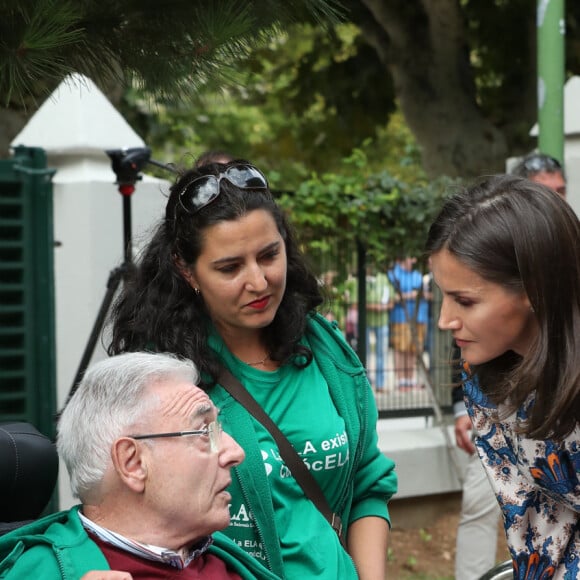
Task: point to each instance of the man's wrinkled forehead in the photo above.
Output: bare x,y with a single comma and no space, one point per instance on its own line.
183,399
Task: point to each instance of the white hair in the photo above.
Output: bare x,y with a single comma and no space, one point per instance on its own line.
108,401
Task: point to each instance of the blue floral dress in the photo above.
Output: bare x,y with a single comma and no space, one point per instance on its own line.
537,486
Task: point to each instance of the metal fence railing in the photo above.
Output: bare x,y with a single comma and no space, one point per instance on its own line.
428,376
432,370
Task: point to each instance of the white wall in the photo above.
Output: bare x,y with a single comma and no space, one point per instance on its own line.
425,464
88,232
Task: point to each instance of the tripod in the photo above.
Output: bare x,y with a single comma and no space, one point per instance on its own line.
127,165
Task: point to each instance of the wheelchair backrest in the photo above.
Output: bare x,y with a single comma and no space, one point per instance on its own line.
28,473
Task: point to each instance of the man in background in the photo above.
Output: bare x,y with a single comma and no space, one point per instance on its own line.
410,309
543,169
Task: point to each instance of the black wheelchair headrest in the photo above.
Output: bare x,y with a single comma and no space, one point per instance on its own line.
28,471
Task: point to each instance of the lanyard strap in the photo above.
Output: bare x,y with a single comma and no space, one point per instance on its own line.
297,467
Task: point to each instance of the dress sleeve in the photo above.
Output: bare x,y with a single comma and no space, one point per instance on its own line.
537,487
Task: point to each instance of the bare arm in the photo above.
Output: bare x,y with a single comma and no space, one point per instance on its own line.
367,546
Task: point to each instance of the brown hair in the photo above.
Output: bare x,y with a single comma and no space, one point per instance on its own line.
525,237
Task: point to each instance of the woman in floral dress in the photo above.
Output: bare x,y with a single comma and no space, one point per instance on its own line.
506,255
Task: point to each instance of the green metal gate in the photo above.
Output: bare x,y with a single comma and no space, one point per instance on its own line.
27,323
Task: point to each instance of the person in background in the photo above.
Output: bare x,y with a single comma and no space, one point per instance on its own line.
335,312
379,301
428,295
380,297
223,283
147,458
409,308
506,255
476,548
544,169
213,156
351,319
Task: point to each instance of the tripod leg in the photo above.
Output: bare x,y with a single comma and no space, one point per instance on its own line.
113,283
125,189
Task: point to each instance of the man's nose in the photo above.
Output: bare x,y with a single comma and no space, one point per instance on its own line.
231,453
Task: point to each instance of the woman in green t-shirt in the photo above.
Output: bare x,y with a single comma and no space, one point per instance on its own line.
222,282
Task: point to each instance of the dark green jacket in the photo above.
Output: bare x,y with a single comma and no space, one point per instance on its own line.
57,547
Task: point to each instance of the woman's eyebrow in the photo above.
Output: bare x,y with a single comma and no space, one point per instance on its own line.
228,259
271,246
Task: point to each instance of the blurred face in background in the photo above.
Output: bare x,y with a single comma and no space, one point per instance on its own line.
553,179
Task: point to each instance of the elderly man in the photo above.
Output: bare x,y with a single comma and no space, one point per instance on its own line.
543,169
148,459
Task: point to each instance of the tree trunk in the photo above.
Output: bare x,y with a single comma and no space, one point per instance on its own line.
11,123
423,45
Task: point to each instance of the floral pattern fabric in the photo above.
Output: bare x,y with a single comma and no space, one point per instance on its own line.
537,486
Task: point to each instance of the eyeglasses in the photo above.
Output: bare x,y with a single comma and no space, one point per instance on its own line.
201,191
536,163
213,431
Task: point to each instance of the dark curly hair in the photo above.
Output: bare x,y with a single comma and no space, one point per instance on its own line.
157,308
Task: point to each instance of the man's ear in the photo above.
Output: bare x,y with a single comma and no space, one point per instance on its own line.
186,272
130,463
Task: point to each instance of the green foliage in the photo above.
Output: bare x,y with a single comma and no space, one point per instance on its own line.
330,81
496,28
390,216
302,102
343,183
30,43
170,48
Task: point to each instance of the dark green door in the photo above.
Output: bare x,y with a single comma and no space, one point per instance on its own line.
27,327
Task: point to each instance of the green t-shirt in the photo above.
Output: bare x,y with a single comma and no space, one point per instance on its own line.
379,292
298,401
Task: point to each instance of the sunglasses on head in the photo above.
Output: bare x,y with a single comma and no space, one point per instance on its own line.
202,190
538,163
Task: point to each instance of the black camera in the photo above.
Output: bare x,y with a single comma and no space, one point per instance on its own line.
128,163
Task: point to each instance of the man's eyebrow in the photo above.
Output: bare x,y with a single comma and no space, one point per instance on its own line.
204,409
